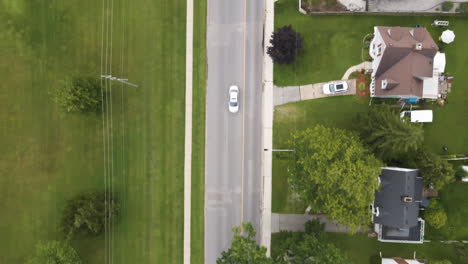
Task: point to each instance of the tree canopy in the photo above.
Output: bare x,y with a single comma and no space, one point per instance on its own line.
243,248
286,45
382,129
334,173
55,252
435,171
79,94
88,213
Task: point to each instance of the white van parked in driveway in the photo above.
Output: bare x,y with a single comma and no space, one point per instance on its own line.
417,116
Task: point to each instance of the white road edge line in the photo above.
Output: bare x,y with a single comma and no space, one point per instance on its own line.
267,133
188,132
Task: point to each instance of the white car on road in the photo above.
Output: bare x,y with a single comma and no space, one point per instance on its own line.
335,87
233,99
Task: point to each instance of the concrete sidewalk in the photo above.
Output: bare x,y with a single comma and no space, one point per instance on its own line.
295,222
267,133
188,133
284,95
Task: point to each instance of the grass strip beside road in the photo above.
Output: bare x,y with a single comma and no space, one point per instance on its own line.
198,132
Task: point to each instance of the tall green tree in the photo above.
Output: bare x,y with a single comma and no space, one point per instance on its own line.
89,213
244,249
434,170
334,173
386,134
80,95
300,248
55,252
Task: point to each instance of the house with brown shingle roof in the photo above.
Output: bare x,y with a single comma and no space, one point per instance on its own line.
406,63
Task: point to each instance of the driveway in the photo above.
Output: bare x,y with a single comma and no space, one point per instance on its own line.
284,95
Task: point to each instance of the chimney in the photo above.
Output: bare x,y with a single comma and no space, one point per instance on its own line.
407,199
418,46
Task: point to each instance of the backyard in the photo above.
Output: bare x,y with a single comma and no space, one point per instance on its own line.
49,156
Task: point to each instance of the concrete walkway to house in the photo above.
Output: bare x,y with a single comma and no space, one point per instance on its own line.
295,222
284,95
366,65
407,6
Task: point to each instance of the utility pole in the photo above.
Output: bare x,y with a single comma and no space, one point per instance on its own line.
112,78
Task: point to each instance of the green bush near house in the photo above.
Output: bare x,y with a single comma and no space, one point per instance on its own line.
447,6
463,8
362,87
435,215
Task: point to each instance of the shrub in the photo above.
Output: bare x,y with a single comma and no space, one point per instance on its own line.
445,261
447,6
88,213
460,173
463,8
54,252
79,94
314,227
362,87
286,45
435,215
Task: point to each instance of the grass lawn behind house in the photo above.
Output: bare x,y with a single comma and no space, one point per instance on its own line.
360,249
454,200
48,157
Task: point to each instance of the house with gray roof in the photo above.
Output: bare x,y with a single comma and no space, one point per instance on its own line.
396,206
406,63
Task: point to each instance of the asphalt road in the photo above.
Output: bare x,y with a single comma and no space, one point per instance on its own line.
233,143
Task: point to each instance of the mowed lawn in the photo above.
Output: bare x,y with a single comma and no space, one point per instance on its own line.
331,44
360,249
48,157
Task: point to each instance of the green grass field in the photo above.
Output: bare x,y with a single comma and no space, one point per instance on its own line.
49,157
453,199
198,147
363,250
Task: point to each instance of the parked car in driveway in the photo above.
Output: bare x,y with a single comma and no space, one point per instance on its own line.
335,87
233,99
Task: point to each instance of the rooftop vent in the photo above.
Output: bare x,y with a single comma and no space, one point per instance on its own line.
407,199
418,46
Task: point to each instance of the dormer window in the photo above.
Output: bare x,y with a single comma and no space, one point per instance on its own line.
418,46
384,84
